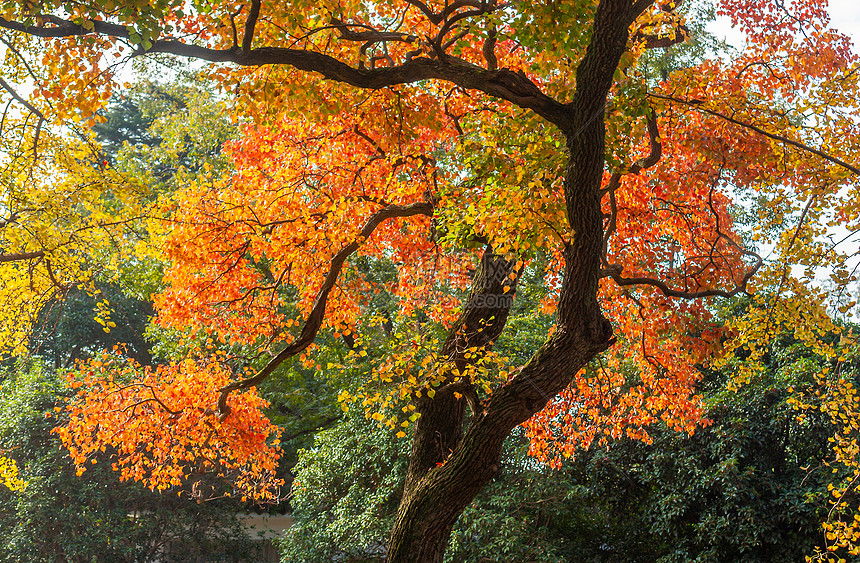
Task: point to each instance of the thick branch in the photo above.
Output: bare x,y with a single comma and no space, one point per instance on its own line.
440,427
315,318
423,522
21,256
434,18
451,23
489,49
13,218
505,84
484,315
450,8
250,23
63,28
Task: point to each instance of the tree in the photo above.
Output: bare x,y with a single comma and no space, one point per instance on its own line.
61,213
346,491
66,331
750,486
530,129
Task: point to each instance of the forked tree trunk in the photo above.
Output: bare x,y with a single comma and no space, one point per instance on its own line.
448,466
430,508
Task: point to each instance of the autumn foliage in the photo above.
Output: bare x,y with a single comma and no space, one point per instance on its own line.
301,192
470,146
160,426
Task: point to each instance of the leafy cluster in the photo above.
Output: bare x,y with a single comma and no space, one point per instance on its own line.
60,516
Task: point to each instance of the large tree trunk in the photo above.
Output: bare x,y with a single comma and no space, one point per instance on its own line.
432,505
448,466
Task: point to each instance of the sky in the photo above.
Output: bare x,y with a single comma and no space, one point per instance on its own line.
844,16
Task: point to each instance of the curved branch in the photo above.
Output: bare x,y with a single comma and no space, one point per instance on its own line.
142,401
697,105
451,23
55,281
21,256
425,9
369,34
615,273
505,84
642,164
315,318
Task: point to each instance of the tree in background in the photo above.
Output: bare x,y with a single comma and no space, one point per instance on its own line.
56,514
66,331
63,210
460,142
345,493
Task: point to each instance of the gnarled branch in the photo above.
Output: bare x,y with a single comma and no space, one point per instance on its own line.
504,84
614,270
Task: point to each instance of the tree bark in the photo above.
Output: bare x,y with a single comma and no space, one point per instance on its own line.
440,427
437,492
